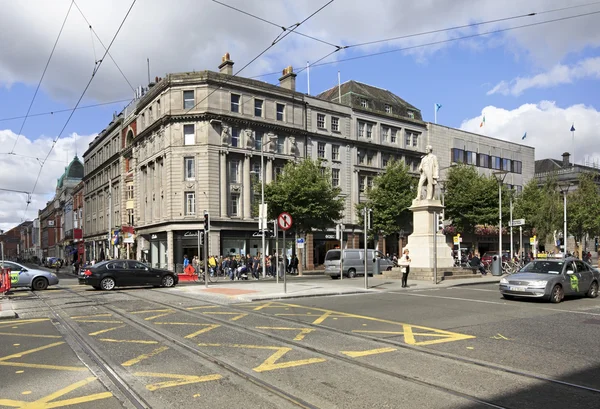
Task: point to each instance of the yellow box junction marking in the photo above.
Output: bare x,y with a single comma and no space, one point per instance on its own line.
163,313
99,321
50,402
91,316
237,314
500,336
143,357
271,363
207,327
104,331
178,380
18,323
201,307
413,334
128,341
357,354
30,335
4,361
303,331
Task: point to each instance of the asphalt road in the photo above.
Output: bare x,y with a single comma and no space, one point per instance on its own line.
459,347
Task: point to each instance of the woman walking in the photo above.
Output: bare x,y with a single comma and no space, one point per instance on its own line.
405,266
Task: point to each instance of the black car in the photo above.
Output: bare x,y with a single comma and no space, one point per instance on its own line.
107,275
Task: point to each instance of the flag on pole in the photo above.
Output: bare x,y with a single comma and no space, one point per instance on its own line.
482,121
573,128
437,107
524,136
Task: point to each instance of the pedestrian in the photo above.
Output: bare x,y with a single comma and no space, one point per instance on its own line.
405,267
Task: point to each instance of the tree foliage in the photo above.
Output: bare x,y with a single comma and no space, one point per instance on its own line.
540,206
304,190
583,208
472,198
390,198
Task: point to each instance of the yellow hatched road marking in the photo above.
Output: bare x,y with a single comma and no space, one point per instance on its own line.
237,315
356,354
92,316
22,322
200,307
30,351
303,331
30,335
128,341
148,311
271,363
49,402
163,313
104,331
142,357
178,379
43,366
100,321
209,327
407,329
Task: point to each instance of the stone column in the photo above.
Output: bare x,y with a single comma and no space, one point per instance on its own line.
381,244
269,171
170,252
223,191
246,189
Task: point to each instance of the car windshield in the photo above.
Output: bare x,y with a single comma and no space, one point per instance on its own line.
543,267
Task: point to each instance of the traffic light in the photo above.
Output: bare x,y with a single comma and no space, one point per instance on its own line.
439,221
206,221
201,238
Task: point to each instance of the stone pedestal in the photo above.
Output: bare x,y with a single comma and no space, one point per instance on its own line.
421,242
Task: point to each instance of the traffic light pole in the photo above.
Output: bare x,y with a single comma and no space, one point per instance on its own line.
206,230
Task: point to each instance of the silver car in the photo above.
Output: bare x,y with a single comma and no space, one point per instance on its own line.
552,280
37,280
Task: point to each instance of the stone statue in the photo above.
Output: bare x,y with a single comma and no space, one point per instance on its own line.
429,173
293,146
225,134
249,139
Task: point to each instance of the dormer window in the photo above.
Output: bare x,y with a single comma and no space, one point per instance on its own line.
364,103
388,108
411,114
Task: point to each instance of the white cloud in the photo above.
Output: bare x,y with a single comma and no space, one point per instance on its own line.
558,75
547,126
193,35
20,173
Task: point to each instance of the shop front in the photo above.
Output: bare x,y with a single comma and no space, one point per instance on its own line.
185,243
234,243
156,255
322,243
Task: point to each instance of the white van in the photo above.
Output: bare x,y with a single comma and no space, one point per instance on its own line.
354,262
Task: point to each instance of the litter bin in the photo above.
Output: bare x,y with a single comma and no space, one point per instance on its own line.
376,266
496,266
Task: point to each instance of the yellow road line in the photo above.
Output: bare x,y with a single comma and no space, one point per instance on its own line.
91,316
129,341
100,321
22,322
43,366
303,331
202,307
237,315
356,354
31,351
146,311
178,379
209,327
142,357
104,331
30,335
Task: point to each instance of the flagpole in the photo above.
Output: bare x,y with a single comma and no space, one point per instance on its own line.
435,113
573,143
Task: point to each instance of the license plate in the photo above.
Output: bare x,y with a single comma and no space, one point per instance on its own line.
517,288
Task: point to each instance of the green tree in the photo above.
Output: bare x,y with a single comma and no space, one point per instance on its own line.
390,198
472,198
304,190
541,207
583,208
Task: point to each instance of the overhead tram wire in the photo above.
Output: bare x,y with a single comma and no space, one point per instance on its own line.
438,42
42,77
67,110
30,157
103,46
275,24
276,41
79,100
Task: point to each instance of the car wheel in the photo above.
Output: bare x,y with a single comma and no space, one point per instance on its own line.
107,283
334,277
593,291
557,294
351,273
508,297
39,284
168,281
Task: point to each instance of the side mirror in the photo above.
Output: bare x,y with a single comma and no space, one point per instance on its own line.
374,260
569,272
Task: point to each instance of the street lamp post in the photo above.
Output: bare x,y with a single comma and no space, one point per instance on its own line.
262,216
564,189
500,176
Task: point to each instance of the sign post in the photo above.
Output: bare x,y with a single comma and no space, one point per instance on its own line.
276,251
340,233
285,222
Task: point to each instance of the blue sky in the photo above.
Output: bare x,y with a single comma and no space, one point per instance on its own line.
538,79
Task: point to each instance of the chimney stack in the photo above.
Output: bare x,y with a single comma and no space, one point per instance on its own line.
565,161
226,66
288,79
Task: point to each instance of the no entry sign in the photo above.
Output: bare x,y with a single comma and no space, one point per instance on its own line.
284,221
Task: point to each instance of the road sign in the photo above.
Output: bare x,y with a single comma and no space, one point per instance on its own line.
300,241
284,221
516,222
